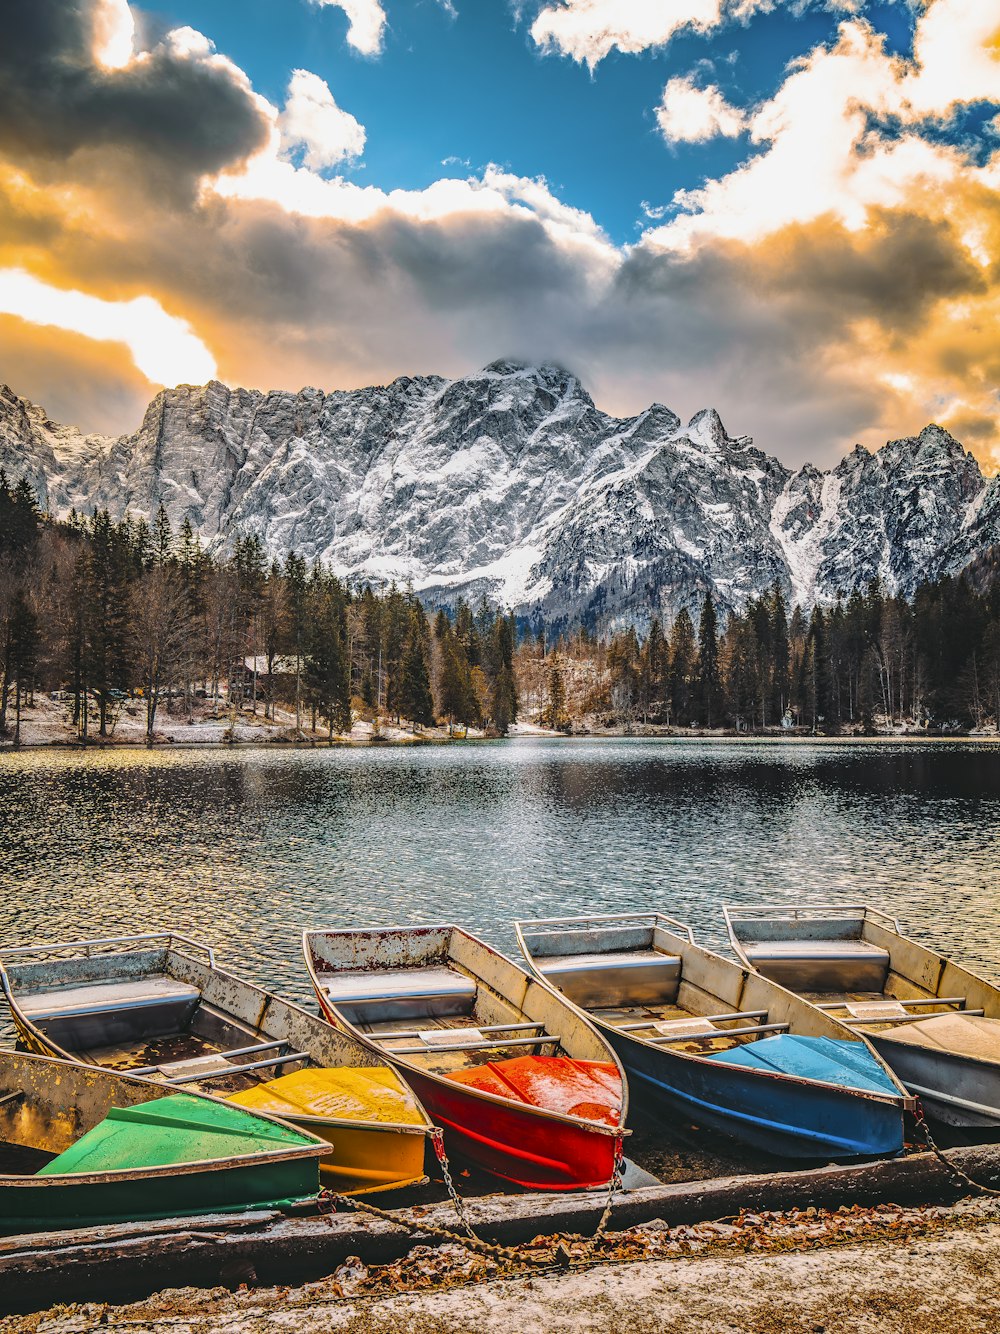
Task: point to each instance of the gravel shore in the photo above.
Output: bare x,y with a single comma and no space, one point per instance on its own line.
880,1271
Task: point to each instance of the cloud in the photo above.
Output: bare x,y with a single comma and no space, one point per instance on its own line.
180,108
589,30
163,347
842,283
367,23
114,34
312,121
688,114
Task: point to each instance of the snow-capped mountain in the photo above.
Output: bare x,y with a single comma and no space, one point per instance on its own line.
511,484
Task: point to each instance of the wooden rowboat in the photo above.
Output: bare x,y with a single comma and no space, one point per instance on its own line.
936,1023
81,1147
158,1006
728,1049
523,1085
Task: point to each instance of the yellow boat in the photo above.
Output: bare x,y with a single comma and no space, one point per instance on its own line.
158,1006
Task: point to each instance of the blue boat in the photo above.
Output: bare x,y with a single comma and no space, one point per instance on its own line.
717,1044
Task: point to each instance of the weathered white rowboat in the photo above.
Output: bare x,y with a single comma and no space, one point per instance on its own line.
728,1049
524,1086
936,1023
157,1005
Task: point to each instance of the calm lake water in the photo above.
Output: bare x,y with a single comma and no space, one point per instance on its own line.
243,849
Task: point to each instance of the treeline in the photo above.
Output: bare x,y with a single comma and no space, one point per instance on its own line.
867,660
105,611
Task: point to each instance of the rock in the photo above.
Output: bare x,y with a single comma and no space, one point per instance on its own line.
511,484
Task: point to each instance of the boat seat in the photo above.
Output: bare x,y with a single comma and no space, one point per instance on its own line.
633,977
821,965
101,1014
399,993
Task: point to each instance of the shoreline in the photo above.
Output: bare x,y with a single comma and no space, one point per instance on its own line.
427,738
880,1270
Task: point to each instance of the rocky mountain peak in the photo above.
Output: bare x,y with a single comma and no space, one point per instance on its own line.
705,429
509,483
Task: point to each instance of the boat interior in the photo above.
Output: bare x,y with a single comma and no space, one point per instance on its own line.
642,975
41,1117
157,1011
443,1003
855,964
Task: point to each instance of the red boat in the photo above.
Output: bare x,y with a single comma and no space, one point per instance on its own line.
524,1086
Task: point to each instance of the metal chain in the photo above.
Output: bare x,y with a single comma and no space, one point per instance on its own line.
614,1186
924,1130
437,1137
328,1201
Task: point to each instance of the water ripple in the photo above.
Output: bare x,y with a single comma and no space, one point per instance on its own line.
245,849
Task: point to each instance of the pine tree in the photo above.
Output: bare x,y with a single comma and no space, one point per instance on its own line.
415,700
682,668
556,715
163,538
709,684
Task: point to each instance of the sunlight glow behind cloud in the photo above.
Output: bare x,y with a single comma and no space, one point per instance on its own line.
114,33
163,347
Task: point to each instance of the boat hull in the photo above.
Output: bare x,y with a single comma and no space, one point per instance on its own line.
781,1115
957,1079
366,1160
519,1145
36,1204
516,1143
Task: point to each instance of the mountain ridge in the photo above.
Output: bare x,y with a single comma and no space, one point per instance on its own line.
510,483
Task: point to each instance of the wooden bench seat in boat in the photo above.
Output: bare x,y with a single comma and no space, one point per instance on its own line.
99,1014
635,977
821,965
389,994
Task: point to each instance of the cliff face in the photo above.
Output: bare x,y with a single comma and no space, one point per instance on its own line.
512,484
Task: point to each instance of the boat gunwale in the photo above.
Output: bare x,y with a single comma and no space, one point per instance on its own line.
287,1153
903,1099
52,1050
454,1086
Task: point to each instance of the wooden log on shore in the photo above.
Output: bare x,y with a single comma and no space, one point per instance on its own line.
130,1261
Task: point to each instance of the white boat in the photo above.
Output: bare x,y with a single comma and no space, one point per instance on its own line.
728,1049
935,1022
158,1005
523,1085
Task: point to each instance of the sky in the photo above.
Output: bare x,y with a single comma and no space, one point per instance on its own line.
785,209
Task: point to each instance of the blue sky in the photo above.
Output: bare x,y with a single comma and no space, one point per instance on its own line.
788,210
454,91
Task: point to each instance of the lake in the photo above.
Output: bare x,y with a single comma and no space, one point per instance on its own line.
244,848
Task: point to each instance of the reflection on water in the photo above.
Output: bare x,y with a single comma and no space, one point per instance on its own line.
246,848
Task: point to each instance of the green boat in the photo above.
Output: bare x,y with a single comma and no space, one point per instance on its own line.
82,1147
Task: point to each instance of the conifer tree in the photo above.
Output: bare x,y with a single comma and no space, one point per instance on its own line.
556,715
415,700
709,684
683,653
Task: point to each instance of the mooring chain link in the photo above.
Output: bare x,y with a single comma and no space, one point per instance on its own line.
924,1130
328,1201
437,1136
614,1186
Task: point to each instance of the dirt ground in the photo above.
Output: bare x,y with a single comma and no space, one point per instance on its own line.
885,1271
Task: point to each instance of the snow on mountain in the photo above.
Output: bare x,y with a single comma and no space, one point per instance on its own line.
511,484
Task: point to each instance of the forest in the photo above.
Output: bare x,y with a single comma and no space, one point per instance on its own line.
94,612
